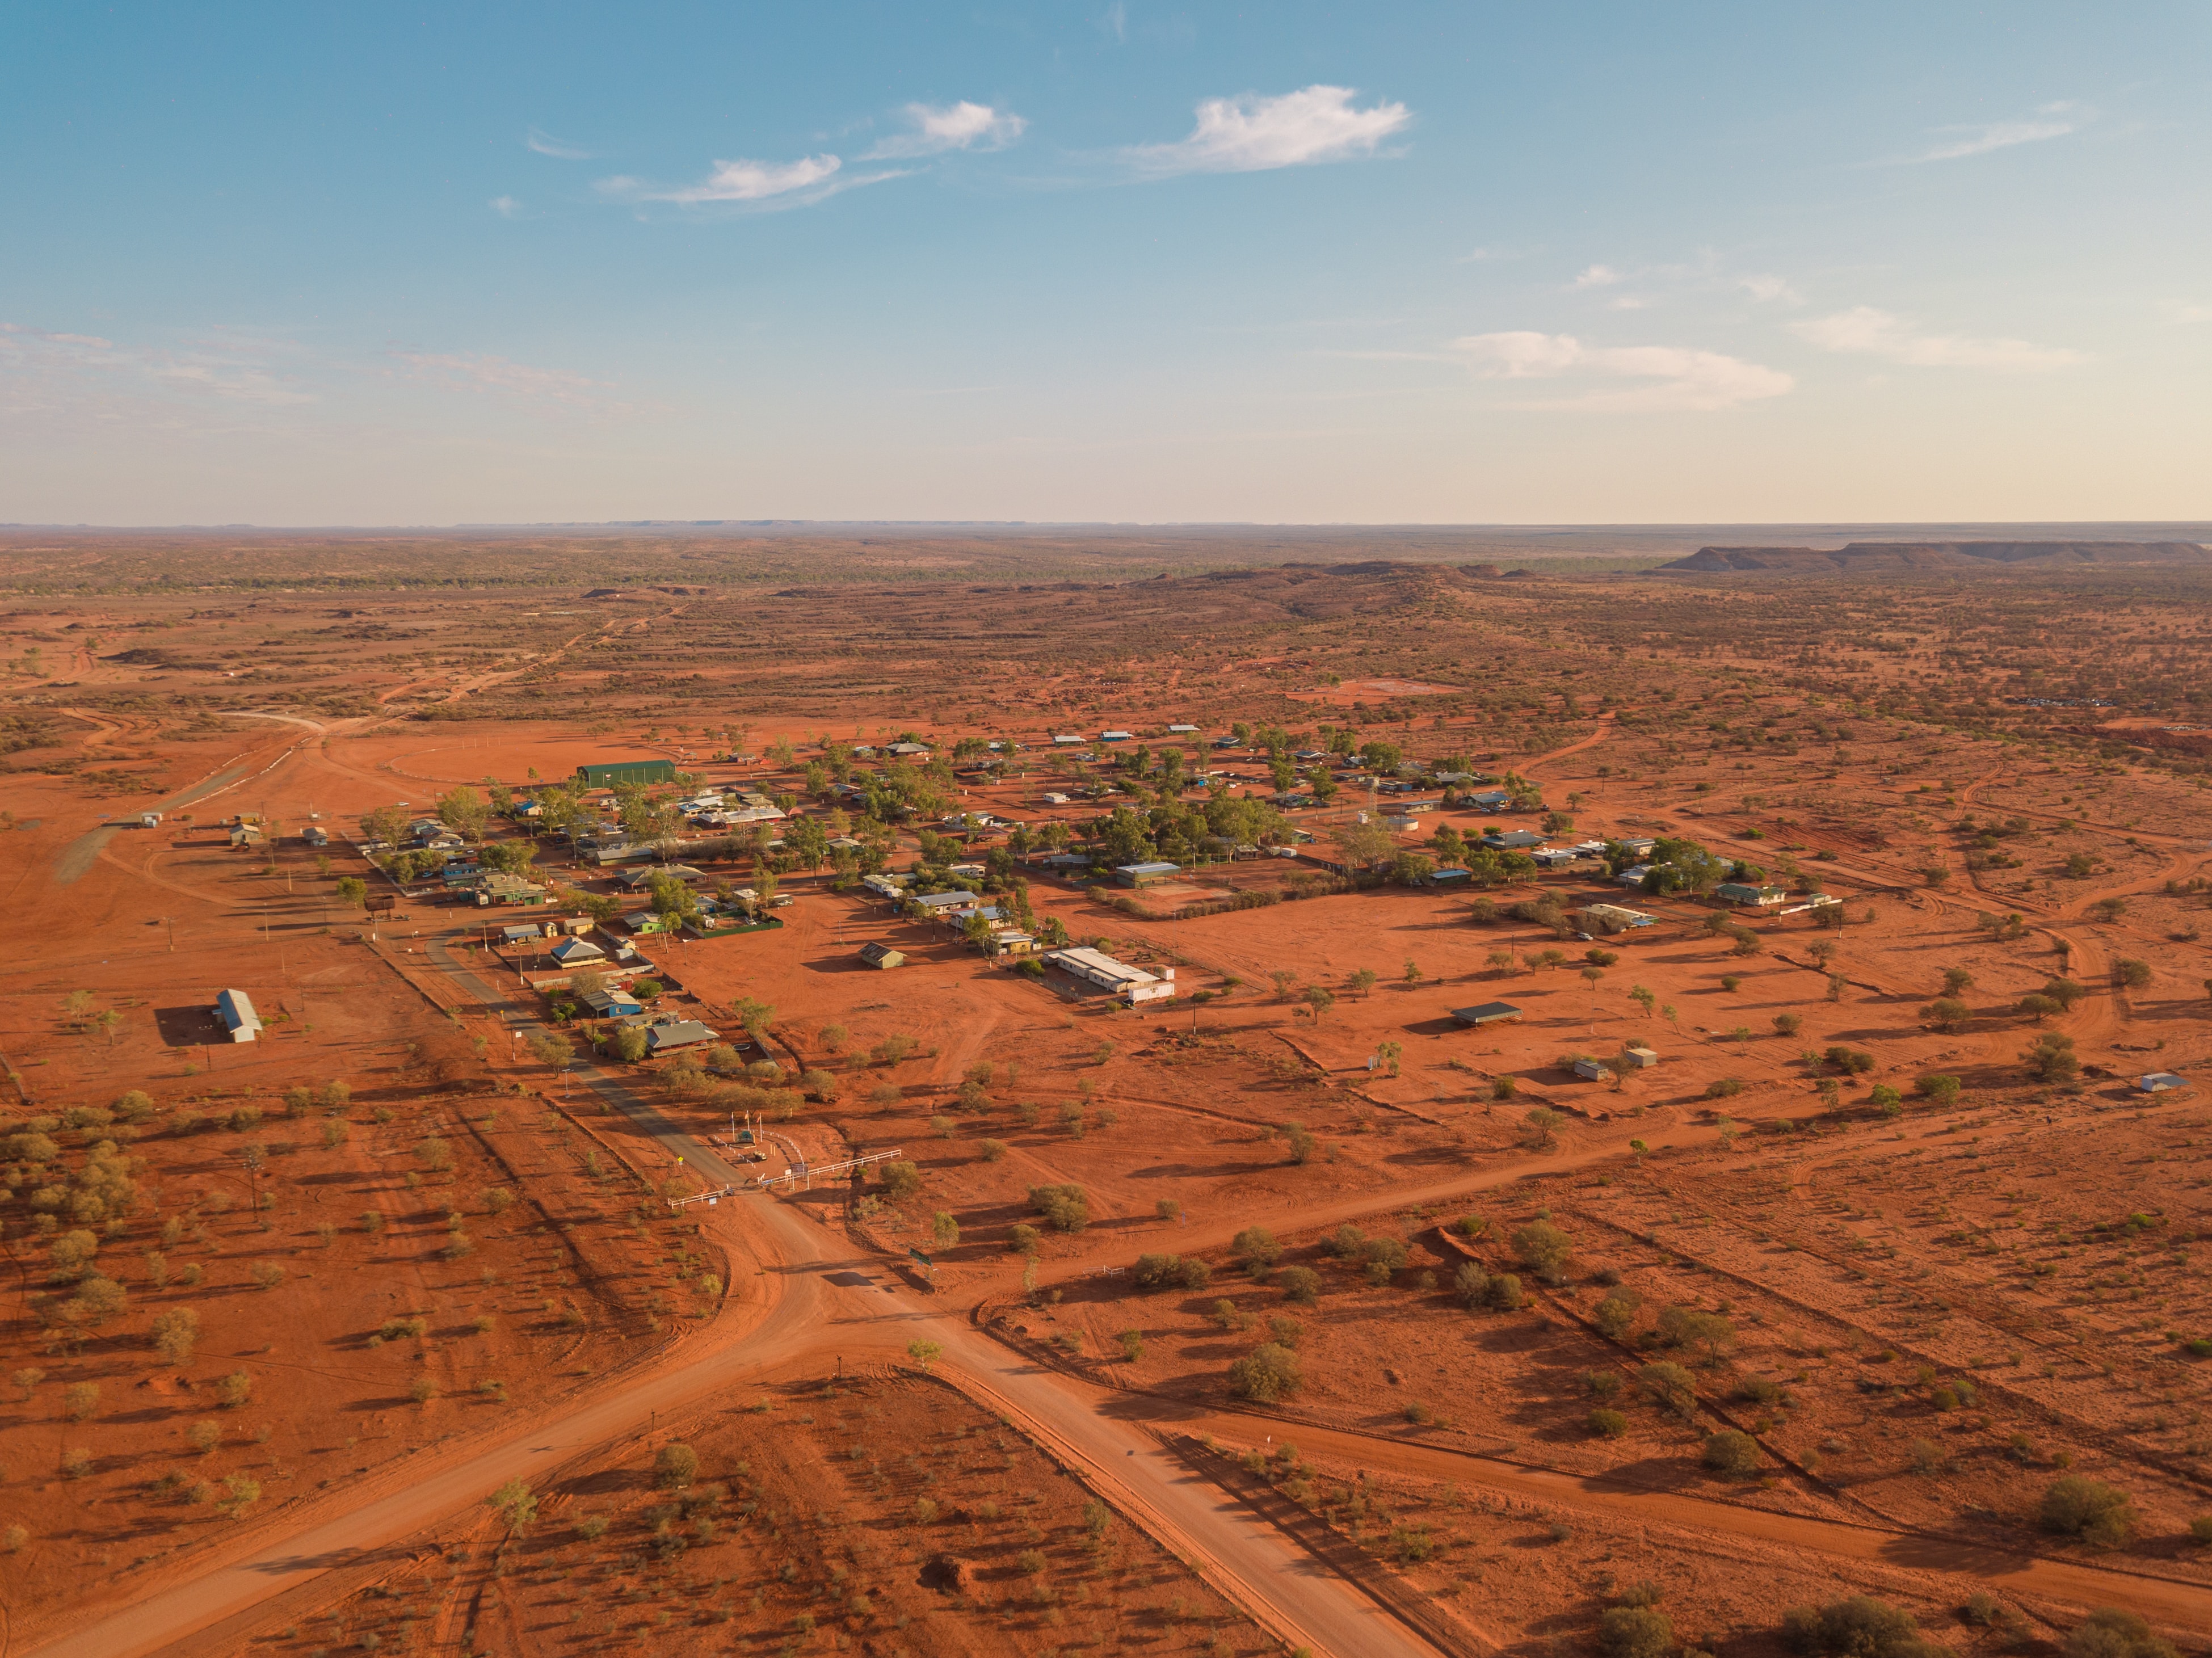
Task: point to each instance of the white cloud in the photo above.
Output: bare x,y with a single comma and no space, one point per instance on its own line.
1877,333
475,371
963,125
1116,22
1668,377
546,144
769,183
41,369
1600,275
506,206
2049,121
1252,134
1771,290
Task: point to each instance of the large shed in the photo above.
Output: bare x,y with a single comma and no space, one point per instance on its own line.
1486,1013
235,1009
611,773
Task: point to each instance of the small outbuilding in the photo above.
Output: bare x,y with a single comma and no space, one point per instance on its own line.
1750,895
1594,1071
2161,1082
1611,918
235,1009
1639,1056
1487,1013
881,955
1146,875
684,1033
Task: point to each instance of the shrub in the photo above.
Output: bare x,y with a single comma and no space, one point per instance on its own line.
1689,1326
1023,1240
1255,1250
901,1178
1859,1626
82,1400
1154,1271
1300,1284
1786,1023
1607,1423
2111,1633
1505,1293
1720,1087
675,1468
235,1390
2052,1058
1731,1454
1132,1345
993,1150
1065,1208
1471,1284
1286,1331
1268,1373
2133,974
1670,1387
2077,1506
1543,1248
176,1333
1615,1313
1943,1091
1635,1632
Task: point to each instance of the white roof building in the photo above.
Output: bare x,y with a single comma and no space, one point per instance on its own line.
235,1009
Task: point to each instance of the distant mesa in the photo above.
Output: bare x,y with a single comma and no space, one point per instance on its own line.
1874,556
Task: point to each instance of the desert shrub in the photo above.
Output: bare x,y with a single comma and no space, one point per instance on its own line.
1300,1284
1505,1293
2099,1514
1286,1331
1132,1345
675,1468
235,1390
1943,1091
1065,1208
1615,1314
1787,1025
994,1150
1268,1373
1255,1250
2133,974
1157,1272
2052,1058
1607,1423
1689,1326
176,1333
1731,1454
1670,1387
1635,1632
901,1179
1851,1062
1543,1248
82,1400
1720,1087
2111,1633
1858,1627
1471,1284
1023,1240
1759,1390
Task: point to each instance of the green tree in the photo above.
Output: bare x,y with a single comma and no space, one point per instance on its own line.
516,1504
1267,1374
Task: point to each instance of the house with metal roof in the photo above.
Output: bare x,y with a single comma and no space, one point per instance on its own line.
1486,1013
1146,875
1132,984
235,1009
683,1032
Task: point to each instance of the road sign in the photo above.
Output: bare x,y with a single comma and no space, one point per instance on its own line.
919,1256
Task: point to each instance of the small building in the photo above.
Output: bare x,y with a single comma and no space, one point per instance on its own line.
312,835
1146,875
907,751
522,932
1132,984
1512,840
614,773
150,820
245,834
380,903
1067,742
881,956
1440,877
1611,918
1490,800
1487,1013
683,1032
1183,730
887,885
947,903
578,952
2161,1082
1749,896
500,888
1056,800
1639,1056
1117,737
642,877
1593,1070
1636,846
612,1004
235,1009
1633,876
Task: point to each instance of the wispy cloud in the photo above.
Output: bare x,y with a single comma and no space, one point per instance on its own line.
480,372
937,129
1958,142
757,184
1877,333
506,206
546,144
1254,134
1116,21
1600,275
45,369
1771,289
1659,377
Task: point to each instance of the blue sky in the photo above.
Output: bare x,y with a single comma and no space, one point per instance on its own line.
327,265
